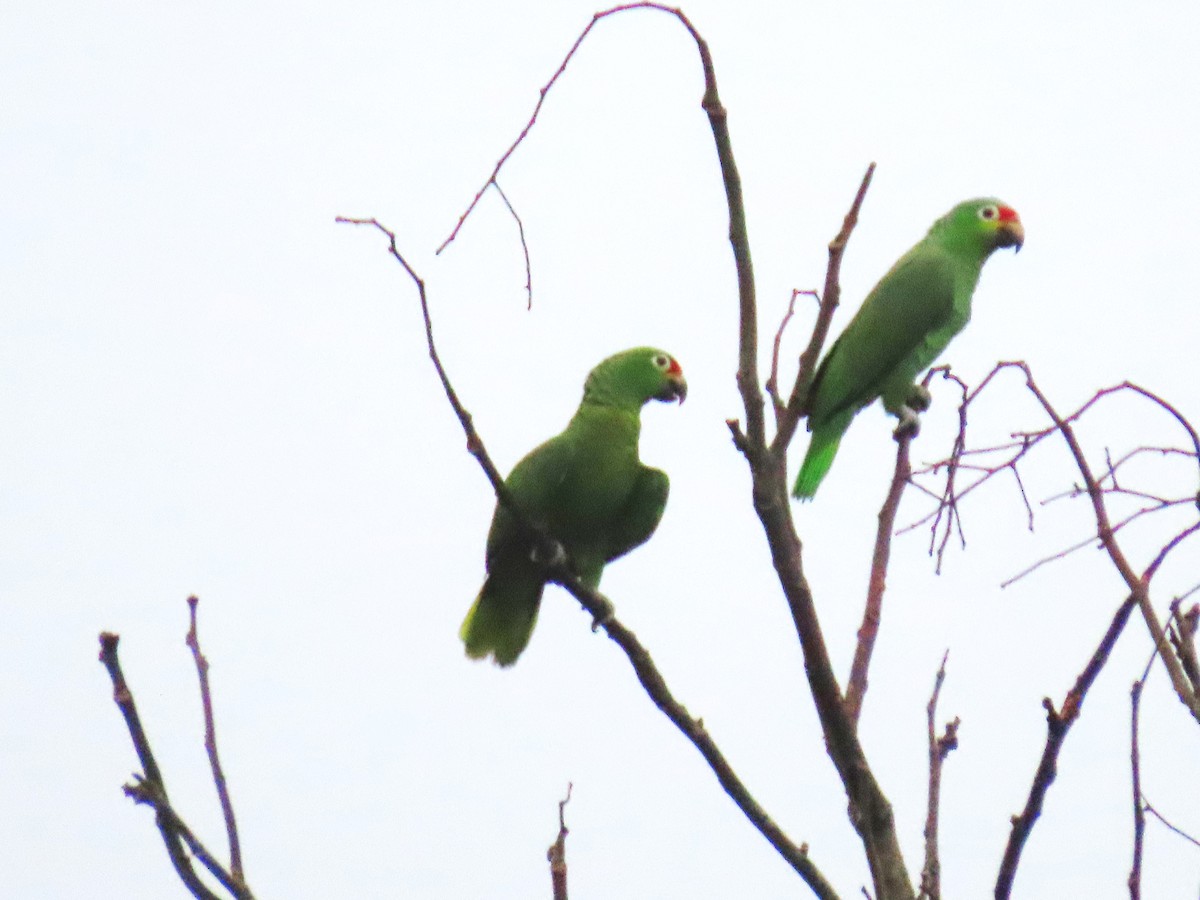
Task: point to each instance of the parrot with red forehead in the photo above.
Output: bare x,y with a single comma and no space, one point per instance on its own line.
902,327
590,490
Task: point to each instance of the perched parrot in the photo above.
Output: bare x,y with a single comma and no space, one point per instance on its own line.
904,324
590,490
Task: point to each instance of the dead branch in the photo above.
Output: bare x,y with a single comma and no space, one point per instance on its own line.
1135,765
1174,828
1096,488
830,298
210,744
1139,813
939,749
772,384
557,854
524,245
856,687
1058,723
150,789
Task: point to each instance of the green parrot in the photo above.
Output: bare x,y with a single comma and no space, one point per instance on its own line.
904,324
590,490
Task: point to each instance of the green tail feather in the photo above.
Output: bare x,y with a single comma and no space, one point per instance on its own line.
500,621
821,450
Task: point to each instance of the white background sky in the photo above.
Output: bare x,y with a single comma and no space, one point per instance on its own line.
210,387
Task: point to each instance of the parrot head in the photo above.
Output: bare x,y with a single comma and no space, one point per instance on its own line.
985,224
636,376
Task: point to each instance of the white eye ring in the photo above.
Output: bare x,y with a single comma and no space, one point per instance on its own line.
987,213
662,361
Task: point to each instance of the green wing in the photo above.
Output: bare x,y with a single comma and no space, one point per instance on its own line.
889,338
642,512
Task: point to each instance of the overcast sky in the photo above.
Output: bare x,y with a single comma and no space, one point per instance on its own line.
210,387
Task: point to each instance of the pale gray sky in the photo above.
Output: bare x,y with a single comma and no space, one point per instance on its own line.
209,387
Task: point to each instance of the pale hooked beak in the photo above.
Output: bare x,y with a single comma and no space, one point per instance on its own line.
1010,233
676,389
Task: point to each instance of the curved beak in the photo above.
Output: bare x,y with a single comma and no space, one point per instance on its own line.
676,389
1010,233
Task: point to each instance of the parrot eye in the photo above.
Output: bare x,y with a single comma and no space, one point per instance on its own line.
662,361
988,213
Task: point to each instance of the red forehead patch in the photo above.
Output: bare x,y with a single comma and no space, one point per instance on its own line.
1008,214
674,368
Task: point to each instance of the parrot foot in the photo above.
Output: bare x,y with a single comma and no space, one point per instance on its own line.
549,554
909,425
604,616
919,398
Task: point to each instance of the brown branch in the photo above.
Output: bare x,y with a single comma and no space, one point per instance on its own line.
1115,528
693,729
939,749
773,379
557,854
856,687
210,744
1139,814
1179,831
524,245
474,441
558,569
1135,764
1138,585
151,790
1096,489
830,298
1058,723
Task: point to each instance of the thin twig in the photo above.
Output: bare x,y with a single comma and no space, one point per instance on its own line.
772,384
151,789
1137,584
1058,723
1179,831
939,749
830,298
210,743
524,245
557,854
1135,765
856,687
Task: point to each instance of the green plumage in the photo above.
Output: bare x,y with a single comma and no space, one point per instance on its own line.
590,490
904,324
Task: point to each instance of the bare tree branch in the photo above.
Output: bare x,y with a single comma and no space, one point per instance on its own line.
524,245
939,749
1179,831
210,744
856,688
1135,765
773,379
151,790
557,854
1096,489
1058,723
830,297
